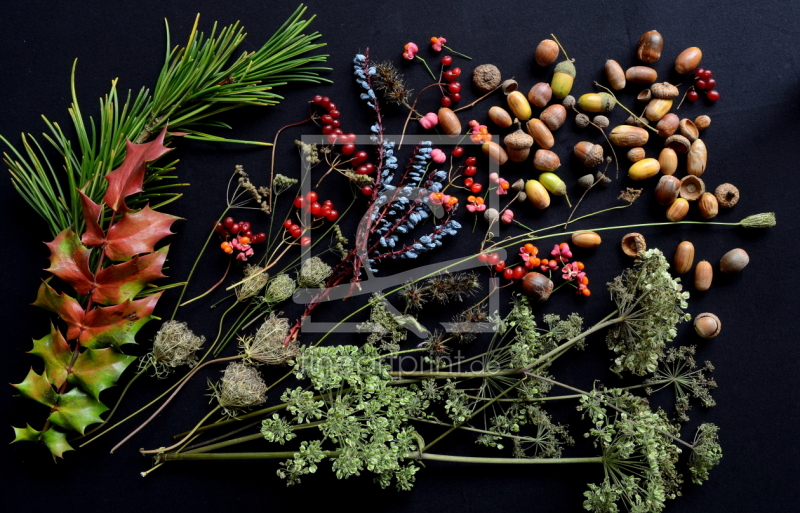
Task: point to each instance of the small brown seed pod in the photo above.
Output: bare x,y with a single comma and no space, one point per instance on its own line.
684,257
546,52
707,325
650,45
702,122
688,60
727,195
449,122
518,145
664,90
615,75
586,239
628,136
688,129
589,153
540,94
668,160
519,185
703,274
538,286
644,96
692,187
678,143
657,108
708,205
554,116
509,86
486,77
641,75
546,160
696,158
582,120
500,117
635,154
734,261
540,133
491,215
667,190
586,181
568,101
633,244
678,210
636,121
667,125
601,121
601,178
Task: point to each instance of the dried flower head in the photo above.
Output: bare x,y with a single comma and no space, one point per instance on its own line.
255,279
280,288
766,220
241,387
383,327
679,370
706,453
308,152
313,273
174,345
340,242
259,194
389,81
266,346
630,195
453,286
281,183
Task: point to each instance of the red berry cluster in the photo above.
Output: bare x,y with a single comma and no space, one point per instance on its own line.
310,203
703,81
509,273
331,127
469,172
453,91
231,228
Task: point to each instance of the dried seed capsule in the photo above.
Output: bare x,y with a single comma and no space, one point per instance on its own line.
667,125
586,181
568,101
449,122
486,77
589,153
615,75
601,121
727,195
537,286
678,210
586,239
519,185
518,145
563,77
684,257
635,154
540,133
707,325
708,205
519,105
692,187
702,122
644,169
537,194
495,152
546,52
540,94
641,75
678,143
668,160
597,102
697,158
688,129
628,136
601,178
644,95
734,261
633,244
554,116
582,120
657,108
688,60
546,160
650,45
664,90
500,117
667,190
703,274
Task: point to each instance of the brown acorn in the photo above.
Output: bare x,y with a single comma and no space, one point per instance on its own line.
537,286
495,152
500,117
650,46
707,325
667,125
641,75
540,94
668,160
518,145
586,239
734,261
635,154
702,122
696,158
703,275
546,160
684,257
688,60
540,133
554,116
546,52
708,205
449,122
615,75
657,108
589,153
678,210
628,136
667,190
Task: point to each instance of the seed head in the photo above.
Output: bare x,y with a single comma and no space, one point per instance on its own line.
241,387
174,345
313,273
280,288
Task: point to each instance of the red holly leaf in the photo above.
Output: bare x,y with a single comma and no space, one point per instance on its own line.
98,369
127,178
137,233
121,282
69,260
116,325
93,236
65,306
56,354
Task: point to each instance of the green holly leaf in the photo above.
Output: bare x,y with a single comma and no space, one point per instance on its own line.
116,325
65,306
26,434
137,232
56,354
116,283
97,369
76,410
69,260
38,388
56,441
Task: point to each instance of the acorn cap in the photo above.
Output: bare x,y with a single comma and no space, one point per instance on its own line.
633,243
692,187
678,143
727,195
486,77
565,67
518,140
509,86
589,153
607,101
664,90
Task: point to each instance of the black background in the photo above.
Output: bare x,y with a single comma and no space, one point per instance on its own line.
753,143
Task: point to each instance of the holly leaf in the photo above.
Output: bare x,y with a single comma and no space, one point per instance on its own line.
76,410
118,283
117,325
69,260
56,354
128,177
26,434
38,388
97,369
56,441
93,236
137,233
65,306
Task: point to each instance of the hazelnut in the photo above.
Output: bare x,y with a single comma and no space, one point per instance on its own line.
692,187
703,274
546,52
678,210
633,243
667,190
702,122
727,195
707,325
554,116
734,261
708,205
537,286
486,77
684,257
635,154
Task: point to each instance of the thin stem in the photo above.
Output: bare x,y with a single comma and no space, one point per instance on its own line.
559,45
119,400
626,109
426,66
412,109
272,158
457,53
504,461
209,291
479,99
185,438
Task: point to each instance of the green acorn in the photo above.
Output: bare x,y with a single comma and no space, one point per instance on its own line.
564,76
597,102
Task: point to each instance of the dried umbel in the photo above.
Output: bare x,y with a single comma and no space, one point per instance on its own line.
241,387
279,289
313,273
174,345
254,281
486,77
266,346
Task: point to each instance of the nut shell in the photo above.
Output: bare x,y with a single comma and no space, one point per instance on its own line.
727,195
586,239
708,205
688,129
692,188
537,285
684,257
635,154
668,160
644,96
702,122
628,136
703,275
540,133
486,77
678,143
633,243
678,210
449,123
696,158
500,117
667,190
650,46
688,60
667,125
554,116
707,325
641,75
509,86
734,261
589,153
615,75
540,94
546,52
546,160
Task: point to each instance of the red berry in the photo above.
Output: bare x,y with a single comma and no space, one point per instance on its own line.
228,222
713,95
454,87
305,241
468,182
508,273
456,71
245,226
499,266
219,227
483,257
333,137
324,211
449,76
700,83
234,228
317,99
366,190
311,196
692,96
334,113
295,231
327,129
326,119
360,157
494,258
362,170
348,149
325,101
288,224
476,188
333,215
699,72
335,123
707,74
327,203
315,209
446,101
299,202
471,161
519,272
470,170
331,106
259,238
447,60
456,97
248,234
458,151
711,83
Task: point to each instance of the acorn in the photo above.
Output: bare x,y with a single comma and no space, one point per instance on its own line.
597,102
644,169
500,117
734,261
707,325
664,91
727,195
486,77
644,95
615,75
668,160
568,101
519,105
633,244
563,77
537,286
684,257
554,116
692,187
702,122
519,185
537,194
678,143
449,122
553,184
628,136
586,181
703,274
635,154
601,177
667,125
708,205
696,158
540,133
540,94
518,145
650,45
678,210
586,239
582,120
667,190
688,60
495,152
641,75
657,108
509,86
546,160
601,121
589,153
688,129
546,52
